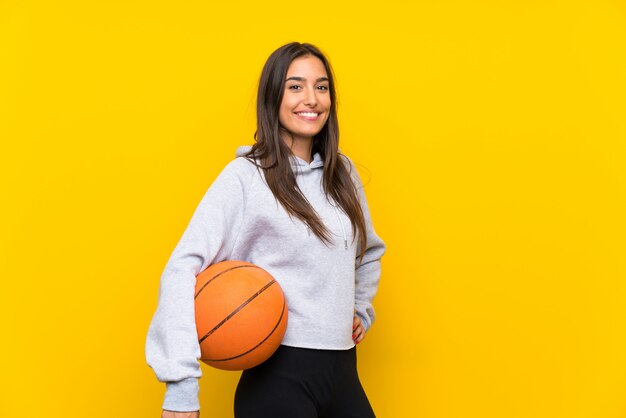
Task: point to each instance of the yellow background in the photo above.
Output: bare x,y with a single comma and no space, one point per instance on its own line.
492,137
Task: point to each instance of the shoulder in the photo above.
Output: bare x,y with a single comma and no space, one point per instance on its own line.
346,161
350,167
239,167
235,175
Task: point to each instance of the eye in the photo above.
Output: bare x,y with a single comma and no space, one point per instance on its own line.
323,87
294,87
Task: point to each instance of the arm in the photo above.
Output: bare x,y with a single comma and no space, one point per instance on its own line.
368,269
172,348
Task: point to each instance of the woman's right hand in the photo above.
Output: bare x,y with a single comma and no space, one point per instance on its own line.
174,414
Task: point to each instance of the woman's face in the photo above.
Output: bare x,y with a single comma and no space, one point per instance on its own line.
306,98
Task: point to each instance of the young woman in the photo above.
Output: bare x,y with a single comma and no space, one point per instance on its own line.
295,206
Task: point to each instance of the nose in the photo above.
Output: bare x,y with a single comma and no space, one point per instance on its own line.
311,97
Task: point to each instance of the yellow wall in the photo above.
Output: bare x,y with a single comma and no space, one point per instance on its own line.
493,135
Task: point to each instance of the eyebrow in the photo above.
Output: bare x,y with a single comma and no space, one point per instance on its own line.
304,79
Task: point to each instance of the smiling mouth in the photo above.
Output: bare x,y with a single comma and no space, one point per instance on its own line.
308,115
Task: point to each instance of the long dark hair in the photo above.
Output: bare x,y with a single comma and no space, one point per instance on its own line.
274,154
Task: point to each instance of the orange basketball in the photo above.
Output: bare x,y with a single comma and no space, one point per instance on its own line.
241,315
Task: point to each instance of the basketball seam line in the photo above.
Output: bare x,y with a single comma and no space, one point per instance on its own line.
282,313
237,310
219,274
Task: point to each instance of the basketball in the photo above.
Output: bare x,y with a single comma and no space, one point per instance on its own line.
241,315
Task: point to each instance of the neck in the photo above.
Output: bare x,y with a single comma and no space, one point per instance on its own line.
301,147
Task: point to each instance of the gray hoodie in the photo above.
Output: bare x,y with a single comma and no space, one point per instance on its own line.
238,218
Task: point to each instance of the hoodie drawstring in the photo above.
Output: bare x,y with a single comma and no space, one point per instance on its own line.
345,238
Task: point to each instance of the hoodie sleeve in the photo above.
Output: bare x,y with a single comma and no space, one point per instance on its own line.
172,348
367,270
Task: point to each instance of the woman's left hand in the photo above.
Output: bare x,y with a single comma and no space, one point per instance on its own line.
358,331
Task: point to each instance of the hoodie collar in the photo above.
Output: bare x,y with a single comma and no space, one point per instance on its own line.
315,163
296,162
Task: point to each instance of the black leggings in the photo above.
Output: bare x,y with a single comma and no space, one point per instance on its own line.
303,383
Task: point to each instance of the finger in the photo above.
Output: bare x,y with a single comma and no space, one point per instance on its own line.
358,332
359,335
356,323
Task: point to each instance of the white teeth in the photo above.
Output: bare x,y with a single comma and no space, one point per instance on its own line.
309,114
